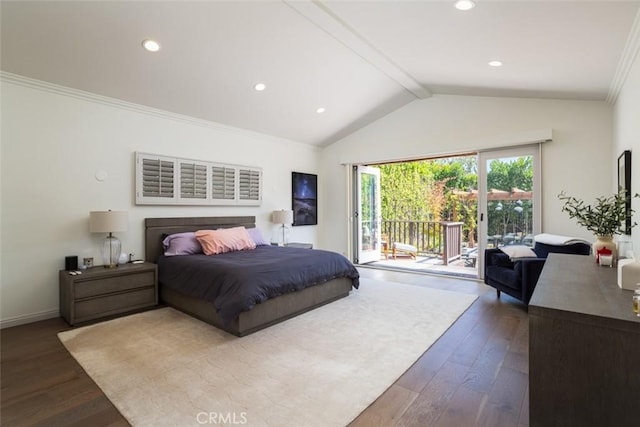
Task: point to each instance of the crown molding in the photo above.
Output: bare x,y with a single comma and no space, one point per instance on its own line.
629,55
137,108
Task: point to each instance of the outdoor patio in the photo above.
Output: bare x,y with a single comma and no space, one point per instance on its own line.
429,264
448,247
441,239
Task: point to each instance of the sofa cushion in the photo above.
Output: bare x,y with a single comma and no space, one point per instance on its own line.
505,276
518,251
542,249
517,268
501,260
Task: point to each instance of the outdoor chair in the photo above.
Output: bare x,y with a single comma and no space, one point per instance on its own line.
384,246
469,256
528,240
509,239
399,249
396,249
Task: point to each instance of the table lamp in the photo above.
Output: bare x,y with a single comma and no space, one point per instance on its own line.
285,218
109,222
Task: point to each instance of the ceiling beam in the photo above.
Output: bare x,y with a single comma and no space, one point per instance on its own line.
324,18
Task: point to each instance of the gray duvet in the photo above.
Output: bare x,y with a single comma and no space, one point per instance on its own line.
237,281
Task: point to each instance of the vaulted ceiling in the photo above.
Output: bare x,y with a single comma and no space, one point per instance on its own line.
360,60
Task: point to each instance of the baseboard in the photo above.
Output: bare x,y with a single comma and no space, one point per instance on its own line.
29,318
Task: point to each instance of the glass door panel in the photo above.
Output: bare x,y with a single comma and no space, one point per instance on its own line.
368,214
508,199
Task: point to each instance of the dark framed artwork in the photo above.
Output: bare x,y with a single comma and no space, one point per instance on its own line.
624,184
304,191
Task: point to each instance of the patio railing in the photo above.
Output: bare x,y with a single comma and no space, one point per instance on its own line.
435,238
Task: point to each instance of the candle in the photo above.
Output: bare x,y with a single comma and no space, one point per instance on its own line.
606,260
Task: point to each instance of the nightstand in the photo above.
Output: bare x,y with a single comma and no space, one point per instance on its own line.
104,292
300,245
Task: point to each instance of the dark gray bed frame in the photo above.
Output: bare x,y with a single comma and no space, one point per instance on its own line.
262,315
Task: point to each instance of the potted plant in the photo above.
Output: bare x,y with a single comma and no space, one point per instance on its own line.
605,218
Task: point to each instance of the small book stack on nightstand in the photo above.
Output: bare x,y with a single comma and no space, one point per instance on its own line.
104,292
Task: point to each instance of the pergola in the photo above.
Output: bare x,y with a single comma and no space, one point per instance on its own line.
493,194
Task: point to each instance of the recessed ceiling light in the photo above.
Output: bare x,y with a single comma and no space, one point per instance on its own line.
465,5
321,110
260,87
151,45
495,63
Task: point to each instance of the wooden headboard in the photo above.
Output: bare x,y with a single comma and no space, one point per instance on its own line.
155,228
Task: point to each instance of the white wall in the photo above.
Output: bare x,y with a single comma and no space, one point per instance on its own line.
626,127
578,160
44,216
53,143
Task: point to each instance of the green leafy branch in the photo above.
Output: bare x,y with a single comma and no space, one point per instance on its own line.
604,218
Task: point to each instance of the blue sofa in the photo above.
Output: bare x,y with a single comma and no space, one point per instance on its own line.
518,278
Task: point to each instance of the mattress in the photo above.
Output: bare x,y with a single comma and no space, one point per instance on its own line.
236,281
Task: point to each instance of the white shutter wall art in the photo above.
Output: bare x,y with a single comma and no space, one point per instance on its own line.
163,180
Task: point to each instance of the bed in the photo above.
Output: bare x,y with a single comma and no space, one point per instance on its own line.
262,315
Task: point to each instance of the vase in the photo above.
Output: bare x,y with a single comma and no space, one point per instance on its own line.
604,242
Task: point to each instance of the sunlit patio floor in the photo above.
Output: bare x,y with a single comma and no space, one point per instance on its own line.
433,264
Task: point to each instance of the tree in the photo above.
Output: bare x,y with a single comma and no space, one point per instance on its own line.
423,191
510,216
404,189
506,174
418,190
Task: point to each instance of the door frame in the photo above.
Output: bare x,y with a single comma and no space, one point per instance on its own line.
358,252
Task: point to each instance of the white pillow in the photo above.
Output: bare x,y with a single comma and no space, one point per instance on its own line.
518,251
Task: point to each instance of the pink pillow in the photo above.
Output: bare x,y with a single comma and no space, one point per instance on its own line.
224,240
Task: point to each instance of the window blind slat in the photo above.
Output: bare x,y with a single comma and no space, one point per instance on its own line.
157,178
193,181
249,184
223,183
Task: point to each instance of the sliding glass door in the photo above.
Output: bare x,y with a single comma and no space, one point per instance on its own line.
508,198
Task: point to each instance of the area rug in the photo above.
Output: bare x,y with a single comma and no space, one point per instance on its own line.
164,368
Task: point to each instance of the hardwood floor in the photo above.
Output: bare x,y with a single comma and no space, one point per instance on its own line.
42,385
476,374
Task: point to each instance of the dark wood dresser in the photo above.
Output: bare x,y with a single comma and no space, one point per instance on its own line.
584,347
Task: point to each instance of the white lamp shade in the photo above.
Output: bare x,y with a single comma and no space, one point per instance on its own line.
108,221
283,217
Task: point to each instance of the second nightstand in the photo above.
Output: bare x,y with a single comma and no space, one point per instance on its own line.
300,245
295,245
